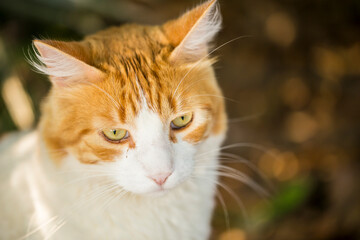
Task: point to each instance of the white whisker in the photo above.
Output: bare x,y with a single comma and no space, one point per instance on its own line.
235,145
238,200
251,165
226,213
220,198
245,118
203,58
38,228
212,95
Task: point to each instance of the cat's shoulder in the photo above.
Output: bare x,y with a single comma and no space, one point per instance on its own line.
16,151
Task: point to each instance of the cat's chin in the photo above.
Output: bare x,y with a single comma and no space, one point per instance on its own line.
157,193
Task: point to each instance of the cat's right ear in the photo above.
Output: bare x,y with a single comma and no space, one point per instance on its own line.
64,62
191,33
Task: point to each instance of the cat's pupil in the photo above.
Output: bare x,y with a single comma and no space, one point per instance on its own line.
183,118
114,132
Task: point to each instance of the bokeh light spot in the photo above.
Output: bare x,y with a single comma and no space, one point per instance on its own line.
280,29
300,127
233,234
18,102
295,93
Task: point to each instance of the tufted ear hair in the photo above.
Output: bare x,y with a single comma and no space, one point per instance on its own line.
191,33
64,62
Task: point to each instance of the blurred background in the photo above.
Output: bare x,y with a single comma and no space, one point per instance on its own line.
293,99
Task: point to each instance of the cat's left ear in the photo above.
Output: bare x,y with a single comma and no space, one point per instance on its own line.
193,31
65,63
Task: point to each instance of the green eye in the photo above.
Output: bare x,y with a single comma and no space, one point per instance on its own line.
115,135
181,121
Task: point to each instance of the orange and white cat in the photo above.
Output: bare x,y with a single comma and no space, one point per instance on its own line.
128,141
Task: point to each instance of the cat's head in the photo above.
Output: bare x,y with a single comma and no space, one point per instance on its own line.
136,100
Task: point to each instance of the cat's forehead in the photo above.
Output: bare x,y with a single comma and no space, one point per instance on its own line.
125,42
137,85
163,92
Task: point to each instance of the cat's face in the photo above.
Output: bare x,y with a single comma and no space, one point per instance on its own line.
135,101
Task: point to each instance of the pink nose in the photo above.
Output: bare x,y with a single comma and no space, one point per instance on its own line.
161,178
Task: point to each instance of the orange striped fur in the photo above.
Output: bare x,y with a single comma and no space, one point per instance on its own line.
123,64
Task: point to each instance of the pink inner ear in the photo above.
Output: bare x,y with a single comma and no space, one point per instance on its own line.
62,68
205,23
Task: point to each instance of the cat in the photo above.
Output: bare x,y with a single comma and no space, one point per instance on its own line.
128,142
